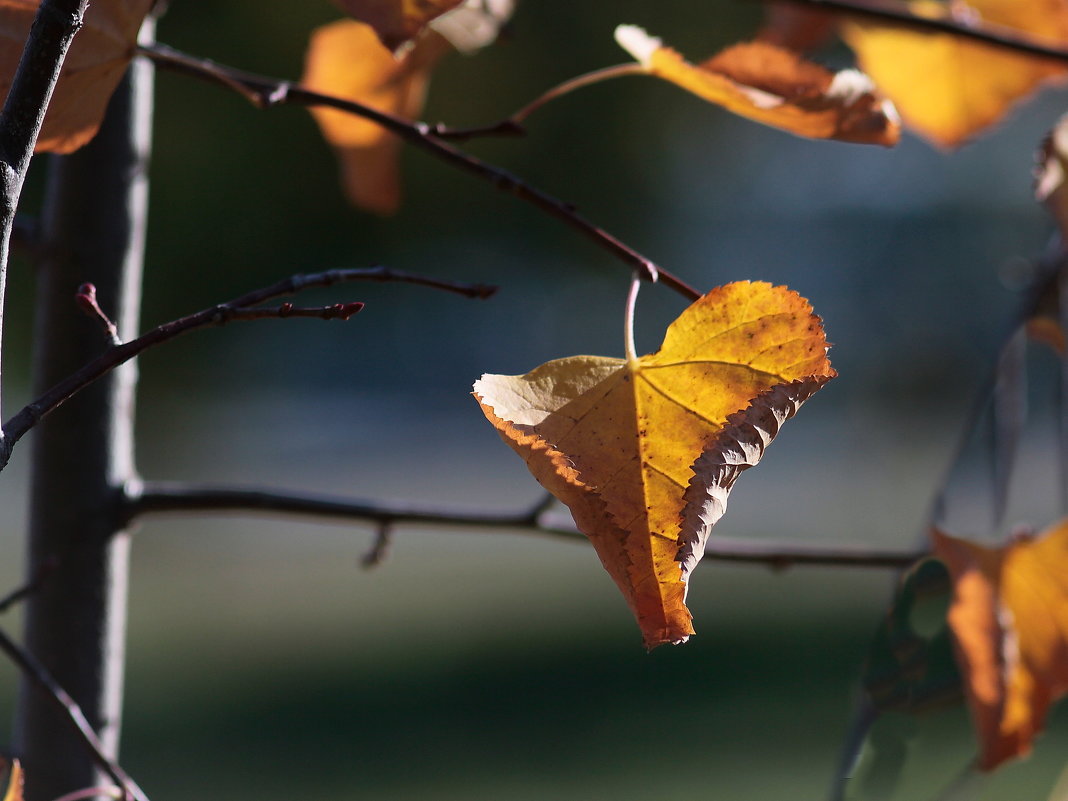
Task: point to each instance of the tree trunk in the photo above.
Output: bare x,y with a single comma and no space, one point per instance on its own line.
93,231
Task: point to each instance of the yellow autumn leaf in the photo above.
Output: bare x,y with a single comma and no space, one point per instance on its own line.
645,452
95,64
346,59
397,21
949,88
1009,618
777,87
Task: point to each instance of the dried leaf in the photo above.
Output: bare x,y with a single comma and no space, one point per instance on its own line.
95,64
475,24
949,88
787,24
346,59
397,21
14,779
777,87
644,453
1009,618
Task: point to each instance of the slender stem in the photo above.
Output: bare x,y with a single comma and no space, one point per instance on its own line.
179,497
268,92
628,321
237,309
989,33
513,125
18,594
578,82
43,679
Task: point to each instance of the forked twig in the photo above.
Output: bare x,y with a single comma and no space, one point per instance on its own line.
155,497
240,308
265,92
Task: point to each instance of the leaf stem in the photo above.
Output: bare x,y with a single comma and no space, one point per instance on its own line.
628,321
578,82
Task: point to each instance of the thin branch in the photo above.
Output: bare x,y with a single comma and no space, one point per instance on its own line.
380,548
21,593
265,92
513,125
158,497
237,309
73,713
54,27
88,303
977,30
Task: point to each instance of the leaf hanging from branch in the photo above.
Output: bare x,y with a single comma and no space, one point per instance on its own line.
949,88
1009,618
644,452
95,64
765,83
397,21
346,59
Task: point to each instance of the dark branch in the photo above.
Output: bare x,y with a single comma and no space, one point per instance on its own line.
21,593
989,33
88,303
236,309
266,92
157,497
73,713
53,30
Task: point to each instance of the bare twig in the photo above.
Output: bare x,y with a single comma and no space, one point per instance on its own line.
157,497
380,548
266,92
73,713
236,309
50,36
87,302
977,30
20,593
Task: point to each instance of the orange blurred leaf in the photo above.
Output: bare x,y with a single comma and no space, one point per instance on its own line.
14,778
777,87
397,21
645,453
346,59
1009,618
949,88
95,63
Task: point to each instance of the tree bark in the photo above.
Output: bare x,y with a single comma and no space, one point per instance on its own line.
93,231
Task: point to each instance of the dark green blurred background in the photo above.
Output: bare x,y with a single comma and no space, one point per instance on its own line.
264,664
